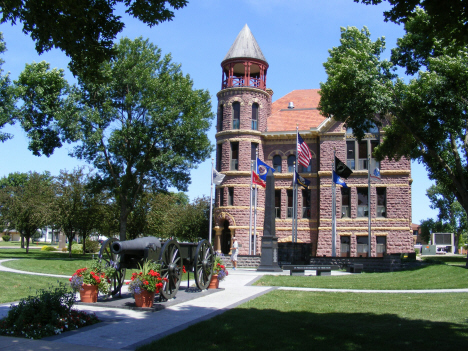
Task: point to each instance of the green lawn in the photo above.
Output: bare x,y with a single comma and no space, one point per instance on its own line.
287,320
456,260
429,277
14,286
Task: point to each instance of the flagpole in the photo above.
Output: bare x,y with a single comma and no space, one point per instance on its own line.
333,208
250,208
295,186
211,202
255,207
369,237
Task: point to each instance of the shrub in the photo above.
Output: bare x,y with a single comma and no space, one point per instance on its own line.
47,313
6,237
92,246
417,251
77,249
48,248
64,249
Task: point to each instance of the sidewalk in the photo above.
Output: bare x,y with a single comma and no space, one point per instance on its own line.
121,328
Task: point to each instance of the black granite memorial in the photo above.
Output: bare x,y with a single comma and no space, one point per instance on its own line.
269,259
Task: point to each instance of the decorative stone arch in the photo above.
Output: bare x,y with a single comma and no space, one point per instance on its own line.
274,153
257,101
290,152
224,233
236,99
223,216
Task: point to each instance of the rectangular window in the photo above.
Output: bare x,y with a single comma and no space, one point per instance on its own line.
290,203
350,154
344,246
305,203
345,203
362,210
362,247
381,202
234,156
236,115
278,203
255,116
219,153
220,118
221,197
362,155
230,196
253,151
381,246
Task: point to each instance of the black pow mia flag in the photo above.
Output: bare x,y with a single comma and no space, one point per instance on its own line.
341,169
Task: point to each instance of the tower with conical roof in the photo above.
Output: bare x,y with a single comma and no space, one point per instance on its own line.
244,103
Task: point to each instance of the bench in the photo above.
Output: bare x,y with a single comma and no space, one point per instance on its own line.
355,268
319,269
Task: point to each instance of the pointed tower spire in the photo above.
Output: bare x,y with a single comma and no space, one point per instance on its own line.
245,46
244,65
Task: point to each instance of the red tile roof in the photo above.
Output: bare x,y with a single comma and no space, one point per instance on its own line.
304,114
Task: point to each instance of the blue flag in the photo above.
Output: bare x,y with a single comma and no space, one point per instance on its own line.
262,169
302,181
338,180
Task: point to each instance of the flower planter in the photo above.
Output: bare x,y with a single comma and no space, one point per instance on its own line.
214,283
144,299
89,293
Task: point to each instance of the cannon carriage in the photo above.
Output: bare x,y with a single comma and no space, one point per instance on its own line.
171,255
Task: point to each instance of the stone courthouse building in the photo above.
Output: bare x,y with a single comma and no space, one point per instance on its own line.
249,122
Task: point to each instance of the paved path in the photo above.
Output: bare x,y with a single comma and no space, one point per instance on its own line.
126,329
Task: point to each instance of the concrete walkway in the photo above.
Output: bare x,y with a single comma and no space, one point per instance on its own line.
124,329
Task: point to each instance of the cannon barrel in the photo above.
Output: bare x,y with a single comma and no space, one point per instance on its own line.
136,245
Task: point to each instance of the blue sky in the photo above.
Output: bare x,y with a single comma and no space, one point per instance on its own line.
294,35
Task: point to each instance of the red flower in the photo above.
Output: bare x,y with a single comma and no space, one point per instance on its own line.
146,282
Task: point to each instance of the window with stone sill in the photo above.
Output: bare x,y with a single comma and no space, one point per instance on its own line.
362,247
277,203
220,118
362,202
236,115
291,163
255,116
234,156
277,163
289,193
345,203
230,196
381,202
306,203
357,152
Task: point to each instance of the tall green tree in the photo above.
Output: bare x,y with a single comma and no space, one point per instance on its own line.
144,128
424,119
70,188
449,18
7,98
28,206
84,30
430,225
450,211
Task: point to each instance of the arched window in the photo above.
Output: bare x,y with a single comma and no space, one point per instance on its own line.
236,115
291,162
255,116
277,163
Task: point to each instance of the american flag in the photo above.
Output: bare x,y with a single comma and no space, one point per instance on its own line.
303,153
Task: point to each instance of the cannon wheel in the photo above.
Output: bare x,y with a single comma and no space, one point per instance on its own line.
109,257
171,268
203,265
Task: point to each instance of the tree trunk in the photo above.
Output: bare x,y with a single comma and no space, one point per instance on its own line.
27,244
22,240
84,244
123,220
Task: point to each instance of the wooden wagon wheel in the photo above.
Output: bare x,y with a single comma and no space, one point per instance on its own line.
203,265
171,268
106,255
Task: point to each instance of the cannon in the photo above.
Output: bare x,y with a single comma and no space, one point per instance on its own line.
171,255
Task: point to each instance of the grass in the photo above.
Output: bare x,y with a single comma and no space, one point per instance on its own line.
455,260
31,244
287,320
14,286
429,277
